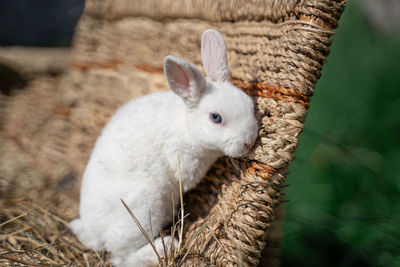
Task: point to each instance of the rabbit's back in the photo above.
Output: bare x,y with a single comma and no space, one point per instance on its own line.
129,152
137,131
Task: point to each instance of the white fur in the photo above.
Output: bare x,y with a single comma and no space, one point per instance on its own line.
136,156
213,55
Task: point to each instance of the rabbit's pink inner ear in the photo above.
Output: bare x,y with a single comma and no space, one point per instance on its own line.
178,80
213,54
184,79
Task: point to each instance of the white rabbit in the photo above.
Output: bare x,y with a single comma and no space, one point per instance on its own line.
136,156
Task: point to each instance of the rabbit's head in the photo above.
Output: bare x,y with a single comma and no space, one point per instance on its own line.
219,115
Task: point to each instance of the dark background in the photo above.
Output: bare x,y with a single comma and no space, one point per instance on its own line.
38,22
344,192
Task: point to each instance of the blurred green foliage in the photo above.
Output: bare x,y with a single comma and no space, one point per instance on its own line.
344,192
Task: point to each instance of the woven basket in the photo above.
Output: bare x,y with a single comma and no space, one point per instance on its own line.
276,50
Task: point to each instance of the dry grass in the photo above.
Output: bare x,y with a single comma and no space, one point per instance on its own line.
34,211
33,236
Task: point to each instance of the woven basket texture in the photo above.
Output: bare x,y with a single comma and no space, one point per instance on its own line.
276,50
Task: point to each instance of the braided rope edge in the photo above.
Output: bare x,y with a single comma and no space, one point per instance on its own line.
254,88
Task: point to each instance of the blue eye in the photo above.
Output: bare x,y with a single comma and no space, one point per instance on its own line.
215,117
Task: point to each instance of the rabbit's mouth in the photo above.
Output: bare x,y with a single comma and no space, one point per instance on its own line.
238,151
246,152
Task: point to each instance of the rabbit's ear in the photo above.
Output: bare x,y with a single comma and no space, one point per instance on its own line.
213,55
184,79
